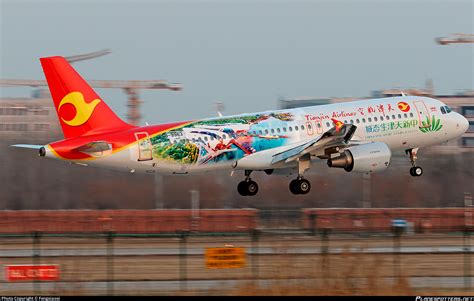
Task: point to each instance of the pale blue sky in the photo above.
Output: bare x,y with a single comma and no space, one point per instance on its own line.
243,53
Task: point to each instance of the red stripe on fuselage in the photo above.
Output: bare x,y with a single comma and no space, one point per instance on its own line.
119,140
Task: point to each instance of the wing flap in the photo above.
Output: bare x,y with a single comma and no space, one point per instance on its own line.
336,136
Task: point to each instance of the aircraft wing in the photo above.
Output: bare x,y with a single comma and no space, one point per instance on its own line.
334,137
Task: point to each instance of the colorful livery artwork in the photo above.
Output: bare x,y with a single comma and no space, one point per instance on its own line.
356,136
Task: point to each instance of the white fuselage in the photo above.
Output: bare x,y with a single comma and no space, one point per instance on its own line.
422,123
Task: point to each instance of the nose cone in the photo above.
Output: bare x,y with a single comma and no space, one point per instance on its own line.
463,123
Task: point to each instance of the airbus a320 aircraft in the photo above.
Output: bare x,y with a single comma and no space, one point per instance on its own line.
356,136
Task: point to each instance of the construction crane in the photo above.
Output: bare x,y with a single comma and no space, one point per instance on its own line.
87,56
457,38
130,87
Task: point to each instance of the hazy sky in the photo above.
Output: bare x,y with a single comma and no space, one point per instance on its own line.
246,54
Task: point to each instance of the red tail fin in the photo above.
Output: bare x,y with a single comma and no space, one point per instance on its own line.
80,110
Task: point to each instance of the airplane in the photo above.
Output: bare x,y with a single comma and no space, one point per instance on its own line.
356,136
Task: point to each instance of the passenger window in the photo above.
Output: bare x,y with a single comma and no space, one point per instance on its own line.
387,117
224,136
291,129
273,131
328,124
345,121
309,126
302,127
393,116
261,132
319,125
278,130
266,131
381,118
363,120
405,115
375,118
352,121
205,138
357,120
284,129
399,116
411,114
370,119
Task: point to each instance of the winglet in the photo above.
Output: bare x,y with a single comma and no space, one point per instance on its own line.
337,124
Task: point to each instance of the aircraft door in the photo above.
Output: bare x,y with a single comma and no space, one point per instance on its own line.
145,149
423,113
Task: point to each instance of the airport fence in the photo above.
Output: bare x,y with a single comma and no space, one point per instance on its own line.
418,220
306,261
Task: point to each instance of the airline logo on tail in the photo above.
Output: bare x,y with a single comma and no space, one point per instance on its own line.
83,110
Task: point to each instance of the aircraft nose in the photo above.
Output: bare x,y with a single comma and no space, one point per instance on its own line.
462,123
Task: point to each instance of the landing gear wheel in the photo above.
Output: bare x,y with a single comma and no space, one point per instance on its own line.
300,186
303,186
247,188
252,188
294,187
416,171
242,188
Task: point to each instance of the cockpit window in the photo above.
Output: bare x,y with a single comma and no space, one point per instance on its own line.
443,111
448,110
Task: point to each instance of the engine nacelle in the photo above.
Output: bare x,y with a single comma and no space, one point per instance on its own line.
364,158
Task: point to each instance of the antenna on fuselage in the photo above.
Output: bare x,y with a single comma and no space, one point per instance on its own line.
401,92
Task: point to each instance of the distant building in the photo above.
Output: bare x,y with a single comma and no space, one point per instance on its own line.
462,103
28,119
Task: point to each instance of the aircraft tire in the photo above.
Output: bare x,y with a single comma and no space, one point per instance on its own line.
252,188
294,187
304,186
242,188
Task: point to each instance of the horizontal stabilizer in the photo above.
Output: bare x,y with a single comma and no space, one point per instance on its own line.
32,146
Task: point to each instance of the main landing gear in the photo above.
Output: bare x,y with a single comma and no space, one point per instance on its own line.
297,186
247,187
301,185
415,171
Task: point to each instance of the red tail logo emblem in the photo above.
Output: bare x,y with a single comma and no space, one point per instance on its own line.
84,110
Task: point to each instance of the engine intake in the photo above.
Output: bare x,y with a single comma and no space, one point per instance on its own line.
364,158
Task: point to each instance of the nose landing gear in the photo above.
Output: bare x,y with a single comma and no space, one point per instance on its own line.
415,171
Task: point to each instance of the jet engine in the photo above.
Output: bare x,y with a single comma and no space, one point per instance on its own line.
364,158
